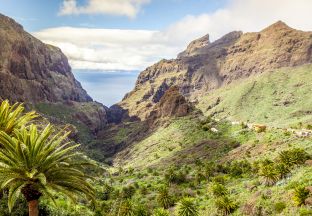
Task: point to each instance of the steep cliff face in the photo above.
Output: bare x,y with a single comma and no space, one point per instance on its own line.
205,66
172,104
39,74
32,71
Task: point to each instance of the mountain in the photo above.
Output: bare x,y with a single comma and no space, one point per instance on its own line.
33,71
40,75
259,77
217,125
190,128
205,66
278,98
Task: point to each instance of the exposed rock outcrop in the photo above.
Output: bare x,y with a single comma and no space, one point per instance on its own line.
205,66
37,73
172,104
32,71
195,46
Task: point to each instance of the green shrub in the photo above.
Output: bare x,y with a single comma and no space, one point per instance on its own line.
107,190
243,125
209,169
308,127
175,177
128,192
141,210
143,190
219,179
279,207
282,169
293,157
238,168
199,176
204,171
161,212
300,195
305,212
225,205
126,208
186,207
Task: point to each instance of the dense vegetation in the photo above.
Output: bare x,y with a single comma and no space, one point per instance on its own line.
277,98
37,161
191,165
248,172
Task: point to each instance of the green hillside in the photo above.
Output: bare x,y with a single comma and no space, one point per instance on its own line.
189,159
277,98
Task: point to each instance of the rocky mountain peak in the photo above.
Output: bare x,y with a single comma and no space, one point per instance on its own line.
205,66
7,22
40,75
195,45
31,71
275,27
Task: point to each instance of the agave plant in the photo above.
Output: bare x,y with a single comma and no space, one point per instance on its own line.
13,117
161,212
186,207
37,163
163,198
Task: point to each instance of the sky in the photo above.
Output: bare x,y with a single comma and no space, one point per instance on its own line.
109,41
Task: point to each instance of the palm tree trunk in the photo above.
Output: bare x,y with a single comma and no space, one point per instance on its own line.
33,207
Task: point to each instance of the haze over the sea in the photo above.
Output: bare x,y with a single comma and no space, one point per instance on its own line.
107,88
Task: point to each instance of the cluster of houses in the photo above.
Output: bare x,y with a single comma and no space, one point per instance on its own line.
262,128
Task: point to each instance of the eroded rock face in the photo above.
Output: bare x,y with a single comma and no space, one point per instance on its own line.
37,73
32,71
206,66
195,46
172,104
92,114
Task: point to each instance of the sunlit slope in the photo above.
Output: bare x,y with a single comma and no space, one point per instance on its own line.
181,141
278,98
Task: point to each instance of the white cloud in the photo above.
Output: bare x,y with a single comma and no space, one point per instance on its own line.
113,49
107,49
245,15
128,8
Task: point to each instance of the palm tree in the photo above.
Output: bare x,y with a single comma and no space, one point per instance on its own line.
13,117
218,189
161,212
226,205
186,207
126,208
164,199
141,210
300,195
37,163
282,169
269,173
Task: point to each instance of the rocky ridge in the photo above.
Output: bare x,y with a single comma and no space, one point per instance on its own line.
38,73
205,66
